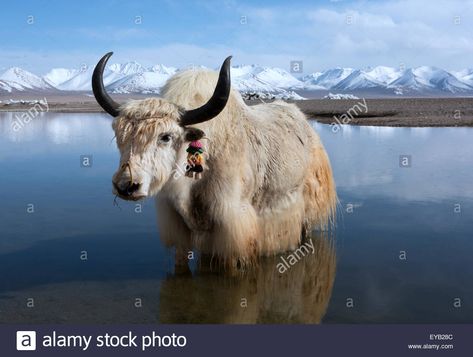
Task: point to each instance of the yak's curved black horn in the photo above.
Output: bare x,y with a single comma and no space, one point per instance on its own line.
105,101
216,103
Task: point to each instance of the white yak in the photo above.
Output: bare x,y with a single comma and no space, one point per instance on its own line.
267,179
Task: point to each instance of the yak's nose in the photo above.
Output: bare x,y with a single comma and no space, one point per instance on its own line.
126,189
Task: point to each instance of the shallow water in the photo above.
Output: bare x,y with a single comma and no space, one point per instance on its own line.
55,213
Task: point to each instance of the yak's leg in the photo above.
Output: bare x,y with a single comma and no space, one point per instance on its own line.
236,235
231,239
173,232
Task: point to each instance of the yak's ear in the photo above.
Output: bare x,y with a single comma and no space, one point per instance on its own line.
193,134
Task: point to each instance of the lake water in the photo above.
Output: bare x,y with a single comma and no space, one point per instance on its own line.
403,243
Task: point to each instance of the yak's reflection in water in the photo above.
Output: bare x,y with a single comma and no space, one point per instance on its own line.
262,295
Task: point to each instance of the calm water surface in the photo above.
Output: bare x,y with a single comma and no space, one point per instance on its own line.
404,241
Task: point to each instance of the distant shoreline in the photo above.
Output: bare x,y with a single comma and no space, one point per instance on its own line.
396,112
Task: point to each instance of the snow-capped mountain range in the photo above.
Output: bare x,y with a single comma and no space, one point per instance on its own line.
132,77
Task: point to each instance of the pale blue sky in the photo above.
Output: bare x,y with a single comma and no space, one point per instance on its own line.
39,35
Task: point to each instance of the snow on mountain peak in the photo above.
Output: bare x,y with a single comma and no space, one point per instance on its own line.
127,68
23,78
9,86
409,79
465,75
310,81
310,78
441,79
358,79
384,74
426,78
57,76
329,78
266,79
80,81
146,82
160,68
132,77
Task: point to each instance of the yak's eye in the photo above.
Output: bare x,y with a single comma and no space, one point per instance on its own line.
165,138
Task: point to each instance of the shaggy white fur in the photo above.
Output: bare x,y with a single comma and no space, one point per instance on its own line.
267,182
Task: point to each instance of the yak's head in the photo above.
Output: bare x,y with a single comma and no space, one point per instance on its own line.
150,133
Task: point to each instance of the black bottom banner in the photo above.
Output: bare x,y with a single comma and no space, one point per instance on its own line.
237,340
